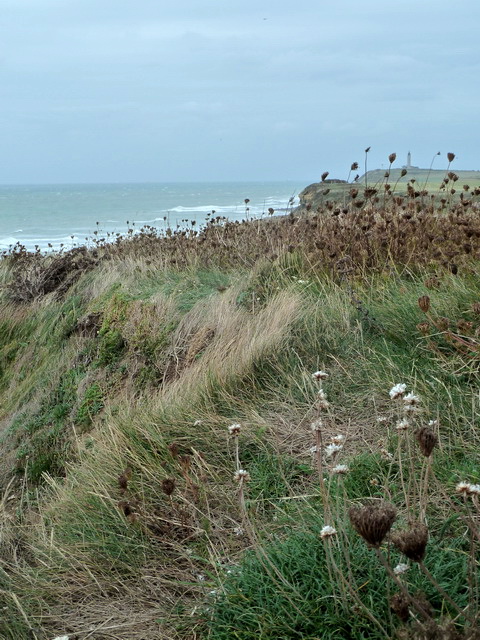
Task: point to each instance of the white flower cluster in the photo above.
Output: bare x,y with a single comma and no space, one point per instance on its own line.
241,476
340,469
328,532
468,489
322,400
320,375
402,425
317,425
400,568
332,450
397,391
410,400
234,429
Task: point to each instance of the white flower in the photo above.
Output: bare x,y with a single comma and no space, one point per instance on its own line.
238,531
313,449
463,487
397,391
402,425
317,425
332,450
400,568
433,423
328,532
241,476
468,489
234,429
340,469
320,375
410,408
411,399
339,439
197,423
322,400
382,419
200,577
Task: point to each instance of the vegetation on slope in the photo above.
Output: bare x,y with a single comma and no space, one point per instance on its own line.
121,516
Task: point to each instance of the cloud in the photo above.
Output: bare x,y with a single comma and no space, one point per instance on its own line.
304,85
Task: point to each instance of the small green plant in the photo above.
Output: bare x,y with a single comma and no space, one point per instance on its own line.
92,403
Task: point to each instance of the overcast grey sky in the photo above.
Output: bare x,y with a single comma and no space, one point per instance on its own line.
150,90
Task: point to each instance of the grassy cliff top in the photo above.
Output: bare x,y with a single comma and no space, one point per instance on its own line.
172,469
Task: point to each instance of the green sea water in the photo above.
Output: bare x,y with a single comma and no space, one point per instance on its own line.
67,215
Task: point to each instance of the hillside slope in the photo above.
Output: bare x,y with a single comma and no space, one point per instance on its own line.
121,516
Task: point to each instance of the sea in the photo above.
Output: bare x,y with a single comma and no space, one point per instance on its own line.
54,217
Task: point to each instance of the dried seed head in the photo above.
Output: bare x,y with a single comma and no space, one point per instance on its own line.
432,283
174,449
424,328
324,176
126,507
426,439
392,157
354,166
403,173
476,308
450,157
442,323
123,479
413,542
399,606
373,521
168,486
338,439
424,303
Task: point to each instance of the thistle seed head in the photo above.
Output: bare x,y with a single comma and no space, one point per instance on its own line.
424,303
426,439
413,542
399,606
168,486
373,521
